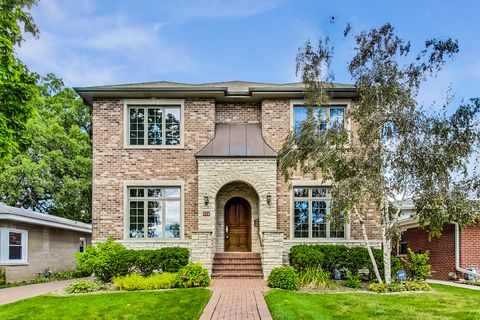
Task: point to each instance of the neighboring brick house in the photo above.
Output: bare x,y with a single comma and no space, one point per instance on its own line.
456,250
195,166
32,242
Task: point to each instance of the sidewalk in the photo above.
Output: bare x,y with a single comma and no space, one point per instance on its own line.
240,299
453,284
9,295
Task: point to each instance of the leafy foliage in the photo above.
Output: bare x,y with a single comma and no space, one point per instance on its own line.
54,174
83,286
135,281
329,257
399,287
193,275
165,259
417,266
17,83
314,277
105,260
283,278
353,281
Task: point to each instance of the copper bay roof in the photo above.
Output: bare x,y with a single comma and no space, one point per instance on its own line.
237,140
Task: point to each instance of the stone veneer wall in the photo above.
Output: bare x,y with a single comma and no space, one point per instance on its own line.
237,113
113,164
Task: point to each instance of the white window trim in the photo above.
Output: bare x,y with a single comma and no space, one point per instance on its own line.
4,247
146,103
346,103
311,184
152,183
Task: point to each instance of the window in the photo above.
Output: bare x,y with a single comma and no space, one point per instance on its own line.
154,125
402,245
154,212
13,246
327,117
83,244
311,214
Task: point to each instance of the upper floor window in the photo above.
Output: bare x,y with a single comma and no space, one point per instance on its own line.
13,246
327,117
158,125
154,212
312,214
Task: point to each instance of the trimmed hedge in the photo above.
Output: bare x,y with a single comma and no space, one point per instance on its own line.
111,259
135,281
330,257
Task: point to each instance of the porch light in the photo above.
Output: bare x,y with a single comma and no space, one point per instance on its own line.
205,200
269,199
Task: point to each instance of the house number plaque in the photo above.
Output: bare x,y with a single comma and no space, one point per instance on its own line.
206,213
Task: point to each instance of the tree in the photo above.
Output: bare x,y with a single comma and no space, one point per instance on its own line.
398,149
54,174
17,83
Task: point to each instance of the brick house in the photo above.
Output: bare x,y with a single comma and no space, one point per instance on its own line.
195,166
454,253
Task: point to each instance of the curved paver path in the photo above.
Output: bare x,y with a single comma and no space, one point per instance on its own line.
237,299
9,295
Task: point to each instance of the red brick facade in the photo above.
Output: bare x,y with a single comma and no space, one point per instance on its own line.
442,249
114,164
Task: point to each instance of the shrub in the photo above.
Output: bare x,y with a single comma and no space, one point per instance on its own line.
304,256
353,281
106,260
3,276
417,266
165,259
399,287
314,277
135,281
283,278
330,257
193,275
82,286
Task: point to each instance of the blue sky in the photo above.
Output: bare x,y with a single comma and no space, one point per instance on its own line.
90,42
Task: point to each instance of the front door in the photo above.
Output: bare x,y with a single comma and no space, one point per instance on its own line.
238,225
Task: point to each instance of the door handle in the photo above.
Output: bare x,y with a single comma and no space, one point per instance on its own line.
226,232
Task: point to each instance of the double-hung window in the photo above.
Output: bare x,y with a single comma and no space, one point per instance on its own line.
154,125
327,117
312,214
154,212
13,246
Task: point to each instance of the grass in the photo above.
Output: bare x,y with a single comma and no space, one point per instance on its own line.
444,302
168,304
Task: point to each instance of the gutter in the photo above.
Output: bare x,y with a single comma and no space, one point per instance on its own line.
457,254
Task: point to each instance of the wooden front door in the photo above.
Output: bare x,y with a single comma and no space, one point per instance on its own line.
238,222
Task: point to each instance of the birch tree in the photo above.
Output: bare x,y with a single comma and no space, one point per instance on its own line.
396,147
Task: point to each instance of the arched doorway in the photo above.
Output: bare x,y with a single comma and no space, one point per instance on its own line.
238,225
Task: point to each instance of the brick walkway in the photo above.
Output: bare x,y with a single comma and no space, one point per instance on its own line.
237,299
9,295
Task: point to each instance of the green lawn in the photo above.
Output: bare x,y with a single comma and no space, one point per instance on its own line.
445,303
168,304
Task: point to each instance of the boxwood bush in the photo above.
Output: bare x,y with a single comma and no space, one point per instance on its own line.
283,278
164,259
329,257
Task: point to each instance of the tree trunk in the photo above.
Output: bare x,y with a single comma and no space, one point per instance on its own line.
387,246
367,244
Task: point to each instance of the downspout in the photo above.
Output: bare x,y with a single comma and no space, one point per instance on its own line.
457,254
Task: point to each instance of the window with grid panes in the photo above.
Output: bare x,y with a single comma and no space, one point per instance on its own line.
311,214
154,212
327,117
154,125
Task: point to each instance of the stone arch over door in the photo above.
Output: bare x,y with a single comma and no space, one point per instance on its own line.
237,189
